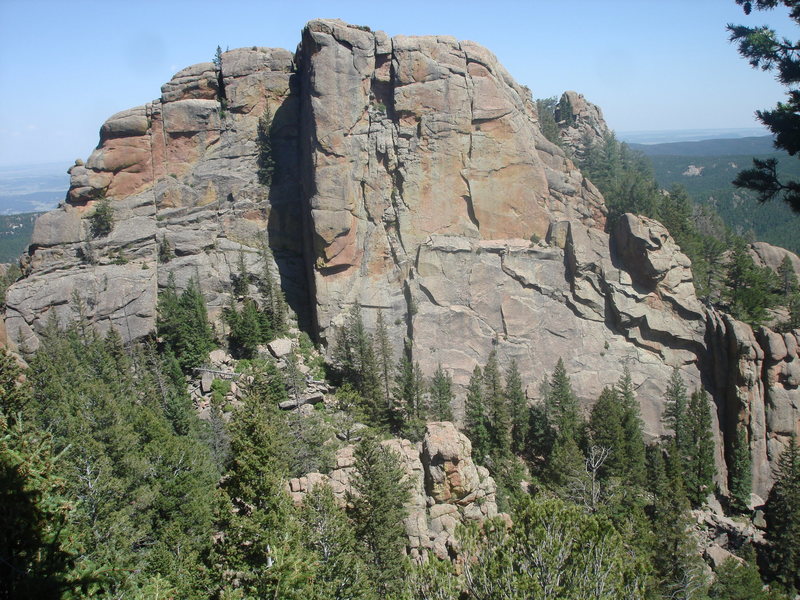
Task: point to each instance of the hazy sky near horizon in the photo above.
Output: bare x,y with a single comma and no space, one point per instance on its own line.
67,65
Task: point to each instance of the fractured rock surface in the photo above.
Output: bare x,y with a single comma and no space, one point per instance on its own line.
410,176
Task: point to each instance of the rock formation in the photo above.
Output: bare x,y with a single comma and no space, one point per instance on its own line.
410,176
447,488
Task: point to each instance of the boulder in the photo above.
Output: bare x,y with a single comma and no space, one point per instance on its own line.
280,348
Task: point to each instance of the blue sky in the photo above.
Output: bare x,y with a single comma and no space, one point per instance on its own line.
67,65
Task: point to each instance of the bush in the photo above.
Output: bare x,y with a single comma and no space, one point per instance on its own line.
102,219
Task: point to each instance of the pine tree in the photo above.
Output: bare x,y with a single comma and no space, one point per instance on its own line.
675,404
14,394
562,404
441,393
409,414
632,428
476,420
259,554
606,428
380,492
342,574
737,581
355,357
518,405
783,519
739,473
699,472
498,413
383,352
241,279
183,324
36,560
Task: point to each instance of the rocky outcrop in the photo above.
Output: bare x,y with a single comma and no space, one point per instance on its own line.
580,123
180,171
447,488
410,177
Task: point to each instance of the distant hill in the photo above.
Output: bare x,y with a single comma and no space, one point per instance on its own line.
32,188
706,169
751,146
15,235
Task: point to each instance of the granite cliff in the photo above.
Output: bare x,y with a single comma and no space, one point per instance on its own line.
410,177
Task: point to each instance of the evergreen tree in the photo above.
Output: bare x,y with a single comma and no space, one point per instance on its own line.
553,550
763,49
737,581
518,406
606,429
699,472
341,574
259,554
36,560
383,351
783,519
476,420
183,324
380,492
498,413
678,567
409,414
562,404
441,394
241,279
14,393
739,473
675,404
787,278
632,428
749,288
354,356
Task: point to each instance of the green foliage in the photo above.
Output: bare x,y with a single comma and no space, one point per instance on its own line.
476,419
35,558
354,359
409,409
139,488
632,447
383,352
783,519
266,162
518,408
101,221
545,109
497,410
441,394
699,470
763,49
380,491
7,277
259,555
737,581
623,176
562,404
749,288
183,324
739,473
341,572
712,190
553,550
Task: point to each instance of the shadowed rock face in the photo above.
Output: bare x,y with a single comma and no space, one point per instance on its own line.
411,177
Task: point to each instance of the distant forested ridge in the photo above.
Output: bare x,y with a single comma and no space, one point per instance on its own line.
707,168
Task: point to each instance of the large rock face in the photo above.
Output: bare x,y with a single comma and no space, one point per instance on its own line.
411,177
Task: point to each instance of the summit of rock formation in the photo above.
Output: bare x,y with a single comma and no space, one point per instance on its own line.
410,177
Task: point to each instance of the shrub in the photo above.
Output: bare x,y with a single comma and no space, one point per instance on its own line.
102,219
